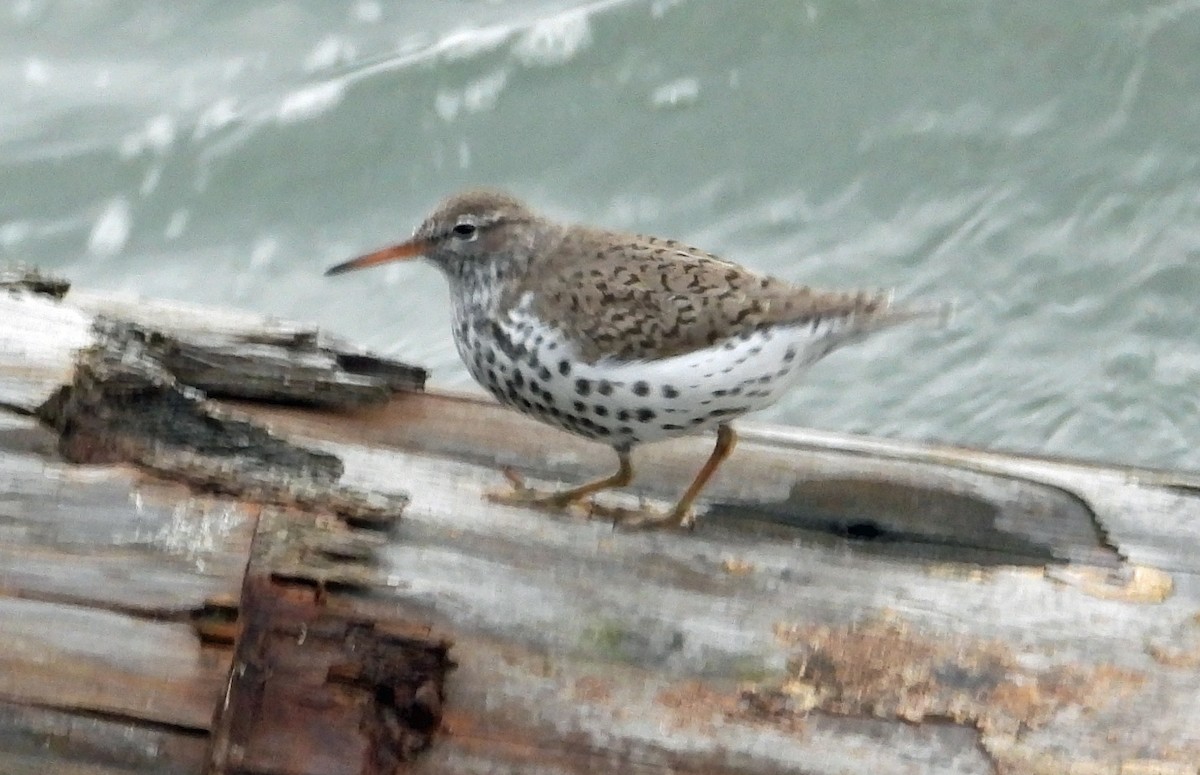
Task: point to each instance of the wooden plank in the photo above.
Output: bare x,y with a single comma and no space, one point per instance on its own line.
846,604
74,657
923,508
38,341
111,537
225,353
37,741
738,612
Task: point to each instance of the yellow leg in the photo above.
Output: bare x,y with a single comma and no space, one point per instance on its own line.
726,441
555,501
681,515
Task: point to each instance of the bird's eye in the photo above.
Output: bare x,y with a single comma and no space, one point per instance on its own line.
464,230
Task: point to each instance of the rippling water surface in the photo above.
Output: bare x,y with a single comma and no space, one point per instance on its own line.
1036,161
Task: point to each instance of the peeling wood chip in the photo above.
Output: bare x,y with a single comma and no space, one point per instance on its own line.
736,566
1129,584
885,669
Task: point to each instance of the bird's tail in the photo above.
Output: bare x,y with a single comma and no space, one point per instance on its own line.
888,313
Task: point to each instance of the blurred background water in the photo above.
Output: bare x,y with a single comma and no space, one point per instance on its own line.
1037,161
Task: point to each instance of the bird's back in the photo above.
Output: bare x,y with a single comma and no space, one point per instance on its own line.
639,298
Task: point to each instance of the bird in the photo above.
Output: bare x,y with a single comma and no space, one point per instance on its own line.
624,339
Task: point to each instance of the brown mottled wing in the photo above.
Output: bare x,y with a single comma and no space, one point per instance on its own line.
643,298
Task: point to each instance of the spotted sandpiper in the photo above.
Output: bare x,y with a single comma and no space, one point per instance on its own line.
622,338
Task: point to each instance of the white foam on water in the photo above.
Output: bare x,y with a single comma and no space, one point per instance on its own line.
263,252
157,135
22,9
215,117
14,233
659,8
475,97
151,180
367,11
468,43
541,41
176,224
554,40
330,52
309,101
37,72
111,230
679,93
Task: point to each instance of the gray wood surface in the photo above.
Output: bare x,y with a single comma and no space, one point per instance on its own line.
846,605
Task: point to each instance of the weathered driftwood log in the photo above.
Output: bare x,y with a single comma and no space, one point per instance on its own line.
846,605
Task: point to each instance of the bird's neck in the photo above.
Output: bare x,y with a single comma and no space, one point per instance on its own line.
480,289
489,288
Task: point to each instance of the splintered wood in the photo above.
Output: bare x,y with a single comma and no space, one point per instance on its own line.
319,691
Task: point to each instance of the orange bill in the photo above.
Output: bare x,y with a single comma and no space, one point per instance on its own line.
404,250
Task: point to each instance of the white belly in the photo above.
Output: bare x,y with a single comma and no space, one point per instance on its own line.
631,402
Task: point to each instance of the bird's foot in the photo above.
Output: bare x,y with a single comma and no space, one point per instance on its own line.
521,494
644,518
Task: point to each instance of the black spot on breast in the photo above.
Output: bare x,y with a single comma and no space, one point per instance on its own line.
518,378
601,410
669,391
544,374
670,426
580,406
605,388
564,367
622,416
583,386
645,415
490,356
641,388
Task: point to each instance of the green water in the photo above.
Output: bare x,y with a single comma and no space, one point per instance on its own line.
1036,161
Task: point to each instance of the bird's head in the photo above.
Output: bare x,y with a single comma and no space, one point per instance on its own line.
466,231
